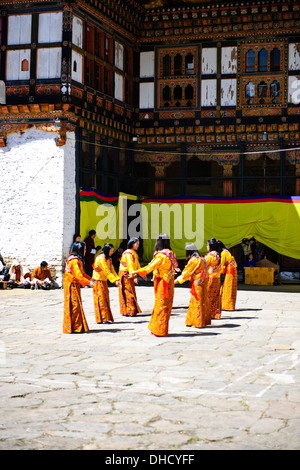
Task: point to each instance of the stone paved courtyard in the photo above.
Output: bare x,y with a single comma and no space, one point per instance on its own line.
233,385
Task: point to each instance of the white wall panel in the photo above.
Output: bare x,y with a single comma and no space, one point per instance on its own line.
19,29
77,32
228,61
49,62
228,92
77,67
119,55
14,60
294,56
119,87
209,60
146,95
147,64
294,90
50,27
208,92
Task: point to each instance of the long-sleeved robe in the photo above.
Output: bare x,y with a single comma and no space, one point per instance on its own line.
129,262
163,267
74,318
195,272
103,270
229,288
213,286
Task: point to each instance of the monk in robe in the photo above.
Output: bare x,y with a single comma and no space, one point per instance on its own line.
74,277
103,270
195,272
213,261
229,288
163,266
129,262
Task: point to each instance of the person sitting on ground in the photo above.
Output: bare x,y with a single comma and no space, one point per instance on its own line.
4,271
41,277
18,276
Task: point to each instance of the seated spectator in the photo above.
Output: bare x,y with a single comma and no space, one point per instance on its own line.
18,276
4,271
250,263
41,277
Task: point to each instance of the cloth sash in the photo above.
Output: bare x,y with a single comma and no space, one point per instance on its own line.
165,287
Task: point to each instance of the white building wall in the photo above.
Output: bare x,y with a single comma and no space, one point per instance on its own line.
37,199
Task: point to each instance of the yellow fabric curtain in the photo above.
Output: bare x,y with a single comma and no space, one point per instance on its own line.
101,212
274,221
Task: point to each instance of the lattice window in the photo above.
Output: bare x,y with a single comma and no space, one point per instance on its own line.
263,60
275,59
250,61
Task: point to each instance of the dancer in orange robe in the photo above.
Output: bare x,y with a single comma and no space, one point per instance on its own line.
74,318
213,286
195,272
103,270
129,262
229,288
163,265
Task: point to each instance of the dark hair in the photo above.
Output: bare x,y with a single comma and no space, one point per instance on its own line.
190,253
214,245
44,264
75,236
131,242
222,246
92,232
162,242
106,249
78,249
191,250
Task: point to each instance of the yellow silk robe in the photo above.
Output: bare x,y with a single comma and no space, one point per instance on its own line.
195,272
129,262
164,292
229,289
74,318
103,270
213,286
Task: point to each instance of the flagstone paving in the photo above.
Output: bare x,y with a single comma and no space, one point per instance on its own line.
233,385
